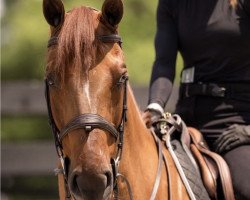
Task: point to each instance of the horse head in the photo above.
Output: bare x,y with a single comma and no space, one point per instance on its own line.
86,80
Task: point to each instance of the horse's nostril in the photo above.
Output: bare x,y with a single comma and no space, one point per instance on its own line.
91,185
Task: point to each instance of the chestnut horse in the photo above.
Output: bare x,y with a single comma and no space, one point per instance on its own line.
91,106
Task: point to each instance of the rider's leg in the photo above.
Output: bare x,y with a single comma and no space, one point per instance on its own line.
238,161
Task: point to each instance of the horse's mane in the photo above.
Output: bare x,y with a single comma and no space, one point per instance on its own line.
76,44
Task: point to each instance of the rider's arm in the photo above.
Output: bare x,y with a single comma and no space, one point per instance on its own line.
166,45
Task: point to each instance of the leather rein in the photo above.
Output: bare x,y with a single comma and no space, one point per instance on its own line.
89,122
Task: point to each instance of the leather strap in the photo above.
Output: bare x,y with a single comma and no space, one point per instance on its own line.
159,168
88,121
162,157
113,38
124,179
169,177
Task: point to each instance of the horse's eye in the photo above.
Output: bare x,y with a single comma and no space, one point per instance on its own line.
51,79
122,80
51,82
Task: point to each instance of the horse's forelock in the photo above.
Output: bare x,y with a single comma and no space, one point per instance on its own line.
76,44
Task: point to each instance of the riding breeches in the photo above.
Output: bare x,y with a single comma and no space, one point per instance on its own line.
212,115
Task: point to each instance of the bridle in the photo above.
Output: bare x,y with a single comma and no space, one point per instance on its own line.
89,121
112,38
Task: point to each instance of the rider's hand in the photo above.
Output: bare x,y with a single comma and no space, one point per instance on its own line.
233,137
150,117
152,114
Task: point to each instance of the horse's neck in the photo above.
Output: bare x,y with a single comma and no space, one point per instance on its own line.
139,160
135,127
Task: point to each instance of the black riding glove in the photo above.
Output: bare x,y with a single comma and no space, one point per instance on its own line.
233,137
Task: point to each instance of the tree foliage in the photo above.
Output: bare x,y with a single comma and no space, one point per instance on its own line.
25,35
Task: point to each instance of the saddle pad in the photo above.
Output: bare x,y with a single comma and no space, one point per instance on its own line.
191,173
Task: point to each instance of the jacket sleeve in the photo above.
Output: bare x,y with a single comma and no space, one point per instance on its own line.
166,44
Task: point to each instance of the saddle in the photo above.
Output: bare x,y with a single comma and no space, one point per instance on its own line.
212,167
214,170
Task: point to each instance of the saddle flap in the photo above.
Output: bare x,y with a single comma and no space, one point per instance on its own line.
212,167
207,170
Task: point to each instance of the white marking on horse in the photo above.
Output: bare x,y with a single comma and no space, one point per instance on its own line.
86,90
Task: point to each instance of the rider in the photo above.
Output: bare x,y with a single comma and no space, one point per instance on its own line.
213,38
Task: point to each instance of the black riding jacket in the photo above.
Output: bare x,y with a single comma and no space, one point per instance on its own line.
211,36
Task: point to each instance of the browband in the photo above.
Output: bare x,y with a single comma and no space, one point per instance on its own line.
113,38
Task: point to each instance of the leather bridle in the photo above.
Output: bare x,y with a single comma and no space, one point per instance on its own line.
112,38
89,121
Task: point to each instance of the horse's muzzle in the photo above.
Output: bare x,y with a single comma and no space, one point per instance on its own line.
91,186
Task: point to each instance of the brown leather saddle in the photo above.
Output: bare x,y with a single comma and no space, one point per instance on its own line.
214,170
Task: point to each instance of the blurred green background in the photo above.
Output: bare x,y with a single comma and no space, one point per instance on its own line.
23,44
24,35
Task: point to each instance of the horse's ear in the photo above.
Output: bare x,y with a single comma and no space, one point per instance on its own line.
112,11
53,11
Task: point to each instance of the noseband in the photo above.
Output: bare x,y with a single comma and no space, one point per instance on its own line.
89,121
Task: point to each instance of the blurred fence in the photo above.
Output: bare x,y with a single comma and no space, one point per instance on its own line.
39,158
